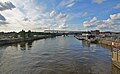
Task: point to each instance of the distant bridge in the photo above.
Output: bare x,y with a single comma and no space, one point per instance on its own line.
62,31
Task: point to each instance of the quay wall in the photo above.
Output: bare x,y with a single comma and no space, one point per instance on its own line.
111,42
115,50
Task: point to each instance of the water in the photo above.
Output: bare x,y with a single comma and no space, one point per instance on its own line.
61,55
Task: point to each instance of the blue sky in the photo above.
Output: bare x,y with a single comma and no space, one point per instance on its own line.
38,15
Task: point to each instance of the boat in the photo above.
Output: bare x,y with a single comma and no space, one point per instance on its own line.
79,37
91,38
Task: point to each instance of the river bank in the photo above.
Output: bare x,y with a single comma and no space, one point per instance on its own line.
115,44
17,40
114,48
110,41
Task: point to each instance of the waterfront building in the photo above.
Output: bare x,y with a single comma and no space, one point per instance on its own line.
95,32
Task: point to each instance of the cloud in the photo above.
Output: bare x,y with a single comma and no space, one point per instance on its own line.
53,13
6,6
84,14
3,23
117,6
61,16
102,26
77,15
60,19
91,23
26,19
63,26
70,5
2,18
115,16
28,15
67,3
98,1
111,23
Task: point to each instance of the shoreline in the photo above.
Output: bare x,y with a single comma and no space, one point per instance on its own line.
115,48
11,41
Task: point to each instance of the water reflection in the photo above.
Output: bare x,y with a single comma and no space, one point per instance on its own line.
25,45
115,70
107,46
85,43
60,55
22,45
29,45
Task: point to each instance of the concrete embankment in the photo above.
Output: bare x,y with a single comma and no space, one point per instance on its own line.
9,41
115,43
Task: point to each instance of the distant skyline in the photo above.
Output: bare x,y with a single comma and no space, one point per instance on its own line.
39,15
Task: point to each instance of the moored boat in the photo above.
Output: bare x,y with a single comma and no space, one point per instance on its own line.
79,37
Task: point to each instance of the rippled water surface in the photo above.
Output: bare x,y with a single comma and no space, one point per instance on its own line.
61,55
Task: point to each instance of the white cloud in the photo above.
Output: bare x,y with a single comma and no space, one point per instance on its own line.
15,17
91,23
61,16
60,19
27,15
6,6
53,14
70,5
63,26
115,16
94,19
2,20
67,3
102,26
109,24
98,1
117,6
78,15
84,14
2,17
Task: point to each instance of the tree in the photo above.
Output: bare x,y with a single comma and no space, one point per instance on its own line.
29,33
22,34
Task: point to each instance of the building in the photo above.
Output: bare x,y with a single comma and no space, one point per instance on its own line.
95,32
55,31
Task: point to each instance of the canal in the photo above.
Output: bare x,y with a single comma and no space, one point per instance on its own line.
60,55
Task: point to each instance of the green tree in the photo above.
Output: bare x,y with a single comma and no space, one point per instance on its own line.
29,33
22,34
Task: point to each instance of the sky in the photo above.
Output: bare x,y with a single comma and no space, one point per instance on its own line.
76,15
